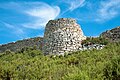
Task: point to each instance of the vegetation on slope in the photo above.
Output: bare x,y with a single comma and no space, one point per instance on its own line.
97,40
31,64
18,45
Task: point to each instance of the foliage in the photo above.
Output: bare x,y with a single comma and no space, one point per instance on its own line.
31,64
97,40
112,69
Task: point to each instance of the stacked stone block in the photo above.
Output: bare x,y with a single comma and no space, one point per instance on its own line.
62,36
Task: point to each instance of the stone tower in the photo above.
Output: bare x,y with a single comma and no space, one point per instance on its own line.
62,36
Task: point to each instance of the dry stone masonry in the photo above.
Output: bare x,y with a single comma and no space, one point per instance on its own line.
62,36
112,35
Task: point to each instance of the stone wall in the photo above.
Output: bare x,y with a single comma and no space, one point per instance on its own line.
112,35
15,46
62,36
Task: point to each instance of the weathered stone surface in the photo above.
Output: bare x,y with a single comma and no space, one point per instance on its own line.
62,35
92,46
112,35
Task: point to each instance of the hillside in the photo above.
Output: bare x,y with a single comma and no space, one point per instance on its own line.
18,45
59,39
112,35
30,64
72,56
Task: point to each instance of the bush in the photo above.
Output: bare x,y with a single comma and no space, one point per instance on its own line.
8,52
97,40
31,64
112,69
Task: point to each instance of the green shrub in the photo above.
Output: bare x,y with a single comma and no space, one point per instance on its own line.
112,69
97,40
31,64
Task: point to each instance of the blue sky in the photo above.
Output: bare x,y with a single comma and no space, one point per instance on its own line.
20,19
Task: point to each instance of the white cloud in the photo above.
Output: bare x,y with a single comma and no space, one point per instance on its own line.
43,14
108,10
13,29
100,11
38,12
74,4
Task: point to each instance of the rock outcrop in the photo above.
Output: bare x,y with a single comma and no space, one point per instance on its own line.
112,35
62,36
15,46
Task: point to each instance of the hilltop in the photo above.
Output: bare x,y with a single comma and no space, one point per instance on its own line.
112,35
109,35
64,31
18,45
